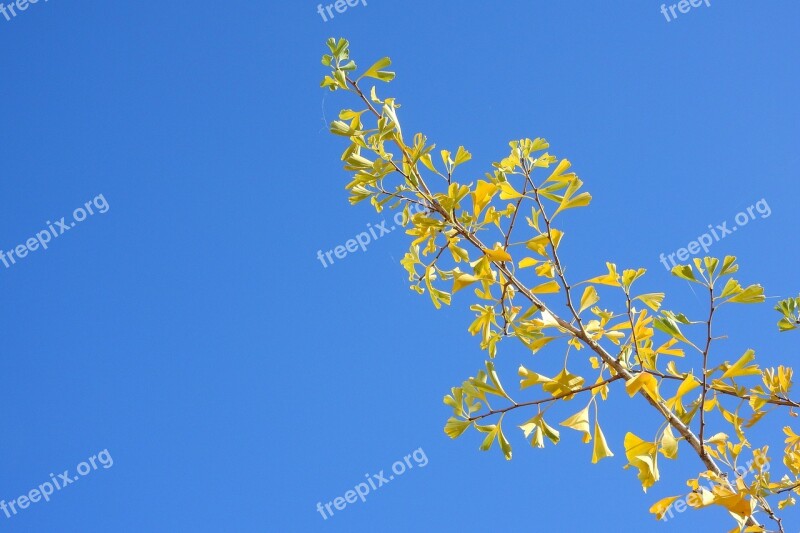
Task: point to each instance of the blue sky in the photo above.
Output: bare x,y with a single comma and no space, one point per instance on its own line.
190,329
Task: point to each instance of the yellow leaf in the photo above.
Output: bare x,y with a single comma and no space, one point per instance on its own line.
539,244
539,343
612,278
482,196
530,378
786,503
642,456
669,444
589,298
643,381
601,449
652,300
507,192
717,438
545,270
661,506
666,348
700,498
569,201
736,503
462,280
563,383
528,262
740,368
498,254
547,288
688,384
580,422
558,174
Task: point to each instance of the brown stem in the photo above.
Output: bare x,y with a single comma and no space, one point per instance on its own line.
705,367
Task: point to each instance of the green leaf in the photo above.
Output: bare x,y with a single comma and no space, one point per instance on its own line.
729,265
491,432
375,71
731,287
684,272
668,325
504,444
652,300
455,427
629,276
751,295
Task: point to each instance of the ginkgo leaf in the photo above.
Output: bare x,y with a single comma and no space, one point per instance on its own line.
652,300
528,262
642,455
455,427
729,265
688,384
661,506
539,343
643,381
547,288
735,502
462,280
558,174
669,325
580,422
630,275
786,503
505,446
612,278
507,192
684,272
376,71
491,432
569,201
731,287
530,378
669,444
718,438
600,449
484,191
751,295
498,254
462,156
667,349
589,298
563,383
545,270
741,368
540,429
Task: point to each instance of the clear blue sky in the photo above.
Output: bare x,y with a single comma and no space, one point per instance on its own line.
190,329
